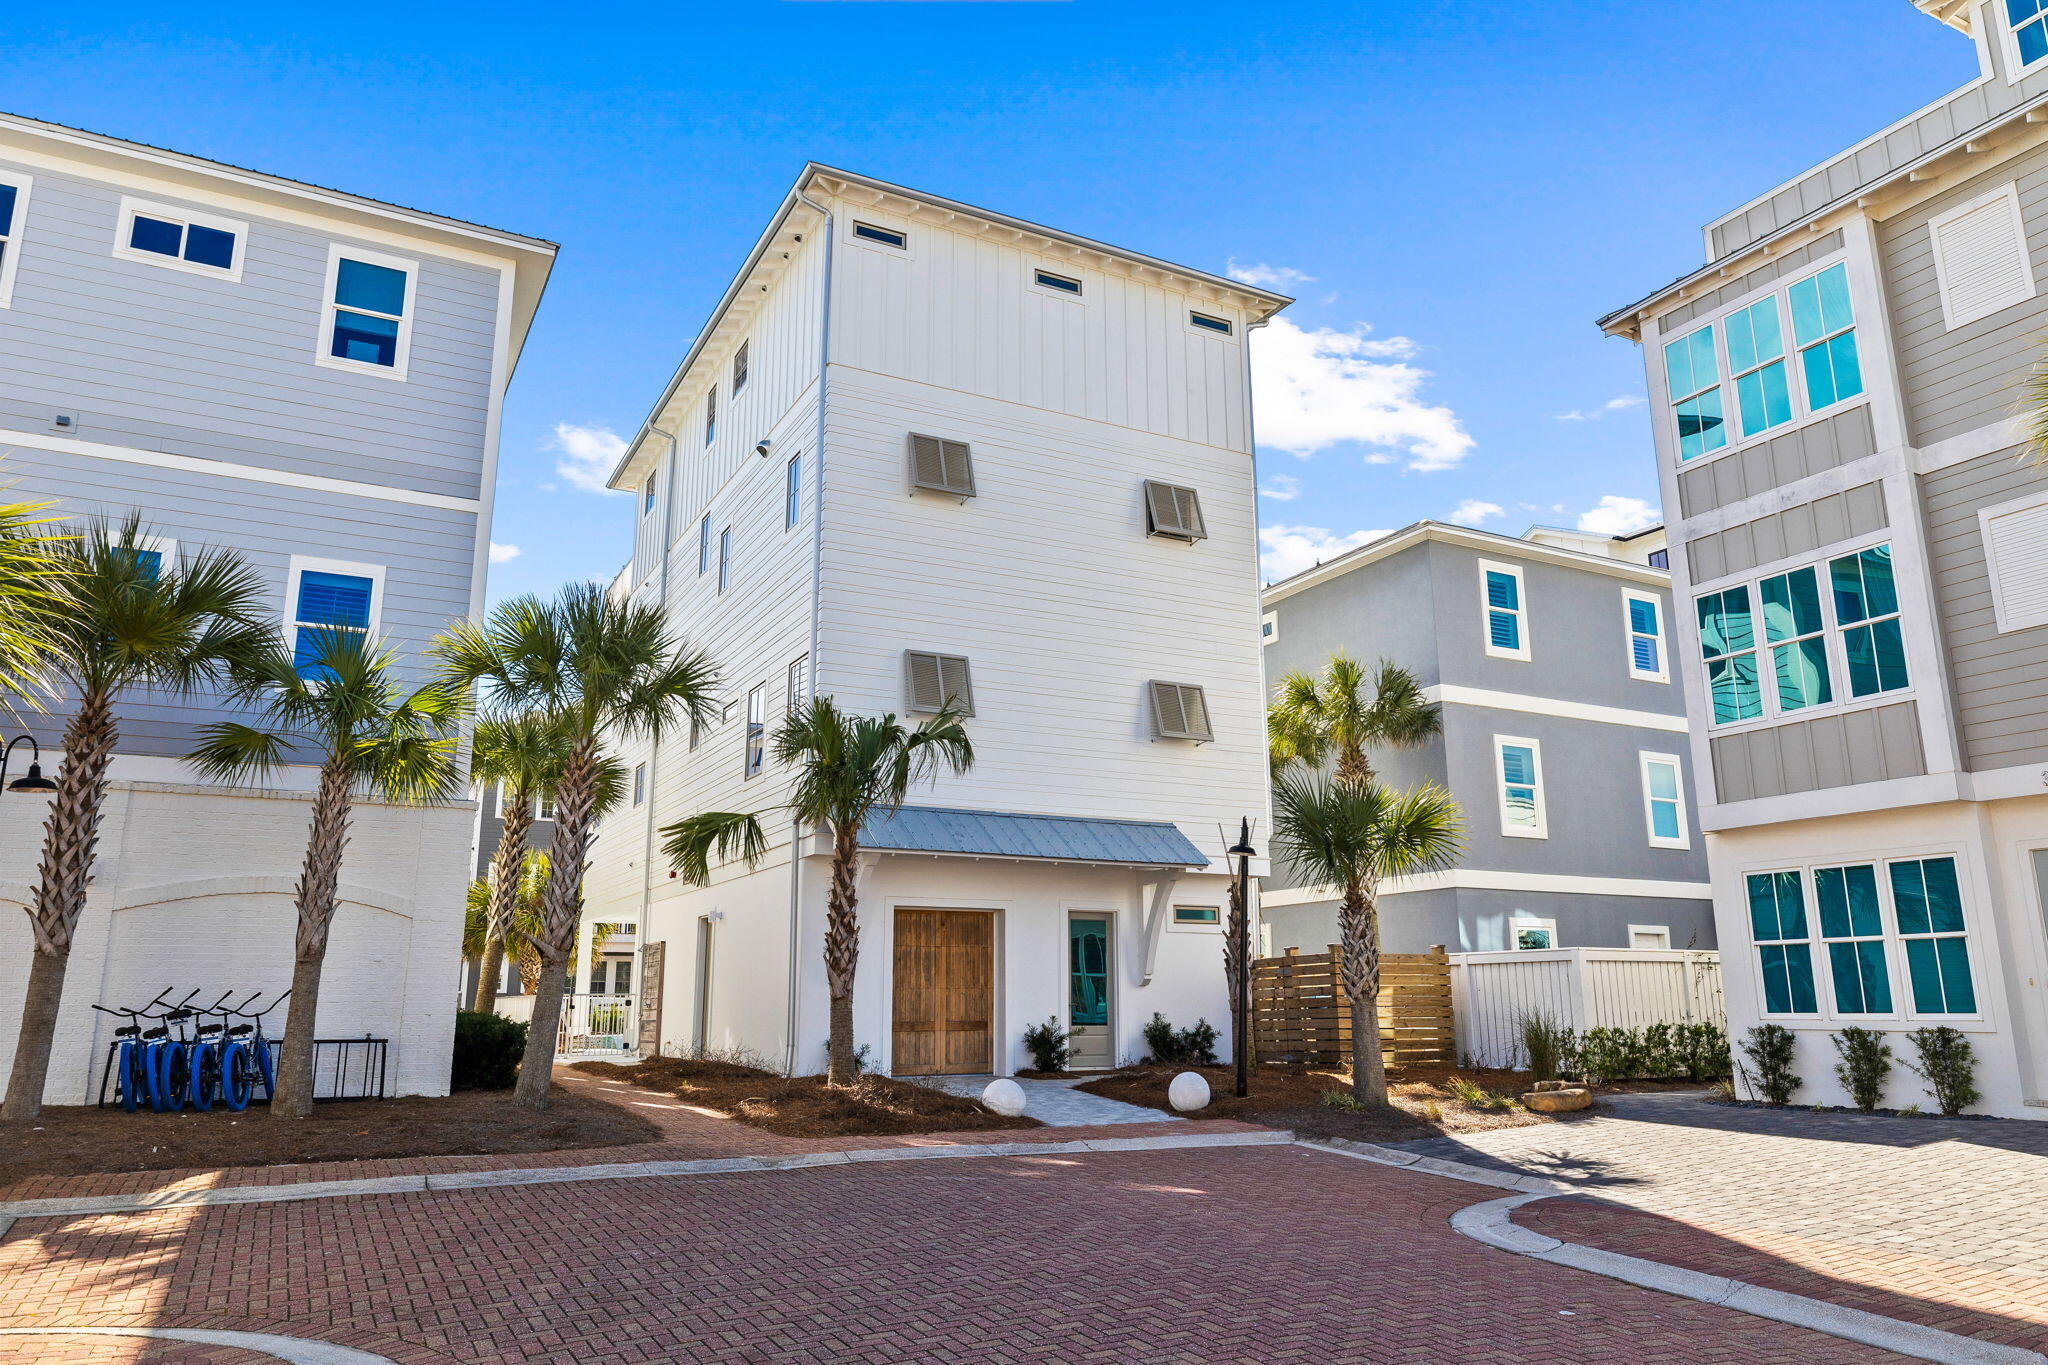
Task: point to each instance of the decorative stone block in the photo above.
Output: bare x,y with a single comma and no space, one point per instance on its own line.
1561,1101
1188,1092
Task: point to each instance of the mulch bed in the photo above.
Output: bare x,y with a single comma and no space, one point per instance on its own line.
83,1140
804,1106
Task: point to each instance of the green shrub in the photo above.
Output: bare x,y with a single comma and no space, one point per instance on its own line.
1948,1065
1769,1048
1544,1044
1703,1051
1612,1054
1467,1091
1181,1047
1866,1062
487,1051
1047,1044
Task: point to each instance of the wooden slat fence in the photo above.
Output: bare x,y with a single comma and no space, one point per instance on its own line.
1300,1014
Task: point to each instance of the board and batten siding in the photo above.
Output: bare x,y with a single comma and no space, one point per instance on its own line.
1797,454
1803,529
1874,744
157,358
1999,678
1955,380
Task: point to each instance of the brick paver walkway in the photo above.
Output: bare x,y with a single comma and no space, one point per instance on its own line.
1933,1221
1272,1254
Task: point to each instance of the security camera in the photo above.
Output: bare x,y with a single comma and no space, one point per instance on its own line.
761,446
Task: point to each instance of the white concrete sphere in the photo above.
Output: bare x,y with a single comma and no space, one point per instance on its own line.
1004,1096
1188,1092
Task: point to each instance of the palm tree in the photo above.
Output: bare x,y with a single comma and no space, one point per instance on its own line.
334,697
124,619
602,670
1345,712
32,572
516,934
847,766
1352,836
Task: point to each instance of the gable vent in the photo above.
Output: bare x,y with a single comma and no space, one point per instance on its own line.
2016,552
932,680
1980,257
941,466
1179,711
1171,510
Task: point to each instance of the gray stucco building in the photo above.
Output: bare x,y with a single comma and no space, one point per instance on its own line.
1563,736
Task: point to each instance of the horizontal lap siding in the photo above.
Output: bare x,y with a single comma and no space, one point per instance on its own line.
1871,745
162,359
2000,680
1957,381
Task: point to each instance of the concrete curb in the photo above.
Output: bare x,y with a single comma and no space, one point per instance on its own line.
1490,1222
294,1350
155,1200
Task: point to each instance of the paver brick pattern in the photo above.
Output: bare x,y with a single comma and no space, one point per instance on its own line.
1933,1221
1271,1254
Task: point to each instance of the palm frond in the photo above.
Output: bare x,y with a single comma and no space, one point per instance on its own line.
692,844
238,754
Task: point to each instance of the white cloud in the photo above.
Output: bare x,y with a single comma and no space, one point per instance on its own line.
1472,511
504,554
1280,487
1290,549
1263,276
1314,390
1613,516
1620,404
588,455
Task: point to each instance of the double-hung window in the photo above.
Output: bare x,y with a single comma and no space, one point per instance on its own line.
1506,615
1693,376
1756,360
367,324
739,369
757,728
1824,328
1664,801
1728,645
13,215
1777,925
710,414
1518,763
799,683
330,605
704,545
1794,630
1928,905
792,490
647,496
1867,607
2029,22
1852,927
725,559
639,783
1643,618
200,244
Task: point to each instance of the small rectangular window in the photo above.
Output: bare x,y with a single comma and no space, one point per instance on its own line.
1173,511
739,369
1269,627
639,783
1519,767
1867,610
1209,324
1643,617
704,545
757,728
934,681
1777,925
1641,936
1664,801
710,414
696,732
1506,616
1047,280
1202,916
1823,325
1660,559
1928,904
941,466
1852,931
1693,377
868,232
792,490
13,217
799,683
369,312
647,496
1533,935
1728,646
331,605
725,559
1180,711
201,243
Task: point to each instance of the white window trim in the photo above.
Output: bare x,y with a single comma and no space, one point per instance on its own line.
16,233
1662,674
2009,39
1232,337
325,339
793,491
1174,925
1520,921
2004,620
125,221
724,559
1065,272
2009,192
1541,829
1272,636
639,784
908,251
1663,931
1643,761
302,564
1521,612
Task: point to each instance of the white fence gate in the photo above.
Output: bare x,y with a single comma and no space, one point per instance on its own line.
1579,988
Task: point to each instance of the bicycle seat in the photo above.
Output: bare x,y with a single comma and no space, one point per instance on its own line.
177,1016
128,1032
240,1029
156,1033
205,1029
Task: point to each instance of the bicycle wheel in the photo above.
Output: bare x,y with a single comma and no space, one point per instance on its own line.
237,1076
151,1065
128,1078
265,1067
204,1087
173,1075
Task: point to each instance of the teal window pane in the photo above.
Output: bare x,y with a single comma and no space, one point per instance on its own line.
1880,596
1958,995
1833,371
1944,897
1643,655
1732,681
1763,907
376,288
1791,604
1701,425
1503,630
1689,363
7,193
2033,40
1764,398
1877,658
1831,898
1791,905
1502,591
1845,577
1663,782
1678,367
1861,885
1909,896
1724,622
1861,986
1754,337
1664,819
1802,674
1820,305
1923,969
1642,616
1517,765
1788,978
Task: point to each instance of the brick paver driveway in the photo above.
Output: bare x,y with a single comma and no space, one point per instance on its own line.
1934,1221
1238,1254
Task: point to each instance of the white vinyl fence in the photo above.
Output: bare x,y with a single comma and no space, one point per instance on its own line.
1579,988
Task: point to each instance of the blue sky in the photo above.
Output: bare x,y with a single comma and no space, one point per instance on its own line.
1454,191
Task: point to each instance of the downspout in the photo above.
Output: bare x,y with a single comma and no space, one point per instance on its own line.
668,510
1252,905
796,831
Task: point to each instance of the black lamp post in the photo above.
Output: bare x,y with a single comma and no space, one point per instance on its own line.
1240,1033
35,781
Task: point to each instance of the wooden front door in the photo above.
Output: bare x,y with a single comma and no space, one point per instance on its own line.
945,999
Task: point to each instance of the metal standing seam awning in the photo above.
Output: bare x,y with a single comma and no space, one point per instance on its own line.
1154,849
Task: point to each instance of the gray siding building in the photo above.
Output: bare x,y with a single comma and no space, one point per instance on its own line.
1563,737
1860,542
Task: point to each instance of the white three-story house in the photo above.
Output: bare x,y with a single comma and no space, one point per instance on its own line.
313,380
1860,544
925,450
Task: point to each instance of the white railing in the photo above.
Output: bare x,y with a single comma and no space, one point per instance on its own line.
1579,988
597,1023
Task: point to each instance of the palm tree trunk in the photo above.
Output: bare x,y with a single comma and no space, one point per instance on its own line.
1354,768
71,835
561,905
506,863
1358,933
319,884
842,953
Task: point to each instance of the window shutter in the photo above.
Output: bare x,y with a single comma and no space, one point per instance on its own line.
2016,554
1980,257
941,466
930,680
1171,510
1179,711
